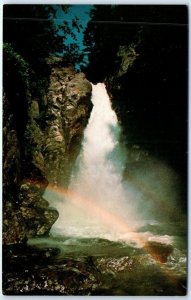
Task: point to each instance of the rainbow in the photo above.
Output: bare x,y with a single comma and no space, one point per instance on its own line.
112,221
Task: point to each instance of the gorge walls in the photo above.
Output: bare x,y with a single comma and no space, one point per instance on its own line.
41,138
144,65
149,93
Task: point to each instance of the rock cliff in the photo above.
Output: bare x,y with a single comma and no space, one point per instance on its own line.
41,139
145,68
68,109
146,90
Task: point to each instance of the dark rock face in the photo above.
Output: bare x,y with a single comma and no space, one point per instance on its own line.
145,68
48,271
35,272
13,223
36,151
146,90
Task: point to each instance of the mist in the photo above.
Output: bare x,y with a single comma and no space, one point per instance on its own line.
115,193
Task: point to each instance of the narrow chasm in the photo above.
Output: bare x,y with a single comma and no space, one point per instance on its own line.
95,102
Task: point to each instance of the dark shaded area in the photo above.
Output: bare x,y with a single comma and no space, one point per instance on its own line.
154,92
141,52
32,271
28,28
49,271
115,25
32,33
32,38
15,87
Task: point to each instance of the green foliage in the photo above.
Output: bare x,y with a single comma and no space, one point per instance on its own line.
33,137
18,61
32,33
72,55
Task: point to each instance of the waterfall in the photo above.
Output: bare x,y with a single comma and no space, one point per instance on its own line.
98,202
127,222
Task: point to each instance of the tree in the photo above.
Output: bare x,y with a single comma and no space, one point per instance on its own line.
32,33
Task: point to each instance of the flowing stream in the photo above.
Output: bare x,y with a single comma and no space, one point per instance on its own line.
105,214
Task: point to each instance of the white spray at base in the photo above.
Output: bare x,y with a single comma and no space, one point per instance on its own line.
98,178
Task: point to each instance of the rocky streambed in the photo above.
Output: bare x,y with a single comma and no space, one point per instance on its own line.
84,266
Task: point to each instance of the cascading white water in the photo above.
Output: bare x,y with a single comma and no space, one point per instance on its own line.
97,175
99,203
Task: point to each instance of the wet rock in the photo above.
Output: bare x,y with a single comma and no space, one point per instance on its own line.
128,55
34,110
115,265
40,150
43,270
13,224
68,110
158,251
37,272
14,229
